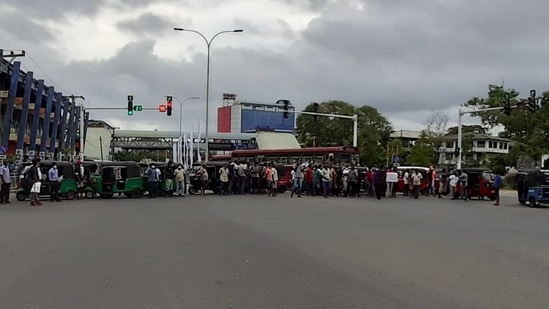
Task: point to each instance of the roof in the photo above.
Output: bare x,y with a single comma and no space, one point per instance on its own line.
175,134
406,134
477,136
262,104
270,140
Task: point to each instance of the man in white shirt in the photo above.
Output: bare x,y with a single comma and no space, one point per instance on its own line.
327,179
453,184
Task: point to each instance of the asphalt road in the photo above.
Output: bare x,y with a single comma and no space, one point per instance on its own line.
261,252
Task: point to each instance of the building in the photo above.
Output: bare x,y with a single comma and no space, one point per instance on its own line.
98,140
407,138
250,117
36,120
475,147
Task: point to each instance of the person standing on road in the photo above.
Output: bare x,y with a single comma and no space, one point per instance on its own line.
496,185
406,181
6,183
326,180
53,176
352,182
453,184
298,179
416,183
224,179
309,177
179,175
152,178
464,182
33,176
274,184
203,173
242,177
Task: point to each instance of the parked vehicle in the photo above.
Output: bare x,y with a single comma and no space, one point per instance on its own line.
479,183
533,187
116,177
67,186
212,168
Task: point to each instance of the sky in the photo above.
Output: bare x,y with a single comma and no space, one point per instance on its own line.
407,58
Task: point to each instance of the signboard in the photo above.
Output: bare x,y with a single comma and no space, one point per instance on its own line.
392,177
2,157
396,159
3,150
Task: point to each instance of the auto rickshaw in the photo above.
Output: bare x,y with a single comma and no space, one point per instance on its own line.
67,187
424,188
533,187
117,177
213,184
479,183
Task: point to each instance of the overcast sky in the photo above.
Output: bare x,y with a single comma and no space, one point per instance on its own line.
404,57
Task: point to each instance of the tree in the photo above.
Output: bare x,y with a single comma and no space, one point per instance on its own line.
373,129
422,153
531,130
435,130
468,129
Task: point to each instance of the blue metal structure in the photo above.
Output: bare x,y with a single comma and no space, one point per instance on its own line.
36,117
24,113
11,104
55,127
533,187
46,125
62,132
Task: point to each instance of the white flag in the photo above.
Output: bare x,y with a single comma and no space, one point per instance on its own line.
191,151
199,158
185,151
174,152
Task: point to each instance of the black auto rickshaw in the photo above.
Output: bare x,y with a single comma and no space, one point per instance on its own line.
212,168
117,177
67,187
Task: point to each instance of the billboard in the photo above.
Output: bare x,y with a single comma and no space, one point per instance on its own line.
257,117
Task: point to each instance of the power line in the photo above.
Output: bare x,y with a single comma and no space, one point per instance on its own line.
45,74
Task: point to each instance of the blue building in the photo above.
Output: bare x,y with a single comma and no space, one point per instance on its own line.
35,120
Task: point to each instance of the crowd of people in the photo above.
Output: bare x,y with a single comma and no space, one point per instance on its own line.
237,178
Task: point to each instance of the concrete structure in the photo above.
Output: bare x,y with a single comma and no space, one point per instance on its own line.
249,117
480,145
98,140
407,138
35,119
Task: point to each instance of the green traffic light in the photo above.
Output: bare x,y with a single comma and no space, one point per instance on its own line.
130,113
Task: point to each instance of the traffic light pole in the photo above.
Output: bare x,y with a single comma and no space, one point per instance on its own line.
353,117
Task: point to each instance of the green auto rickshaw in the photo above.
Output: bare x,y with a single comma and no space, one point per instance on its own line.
116,177
67,187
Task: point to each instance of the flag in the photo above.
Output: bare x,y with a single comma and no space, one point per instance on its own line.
199,157
174,152
191,150
185,151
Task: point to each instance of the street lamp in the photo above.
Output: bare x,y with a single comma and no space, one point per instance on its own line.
208,44
181,109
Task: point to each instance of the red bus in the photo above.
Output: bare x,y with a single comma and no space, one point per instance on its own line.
314,155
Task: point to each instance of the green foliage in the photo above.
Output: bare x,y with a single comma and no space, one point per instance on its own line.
422,153
528,129
373,133
468,129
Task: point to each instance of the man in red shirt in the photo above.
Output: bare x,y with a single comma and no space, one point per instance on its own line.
309,180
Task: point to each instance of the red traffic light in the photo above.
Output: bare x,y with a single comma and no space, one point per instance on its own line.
162,108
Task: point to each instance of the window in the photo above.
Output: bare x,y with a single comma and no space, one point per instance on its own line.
449,144
500,145
490,145
481,144
505,146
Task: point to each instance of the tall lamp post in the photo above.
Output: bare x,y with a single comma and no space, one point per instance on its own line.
181,109
208,44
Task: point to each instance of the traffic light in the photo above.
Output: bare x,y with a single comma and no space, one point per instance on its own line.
457,152
130,105
162,108
507,108
169,105
315,110
532,105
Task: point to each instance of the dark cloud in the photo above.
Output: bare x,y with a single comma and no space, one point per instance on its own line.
147,24
53,9
404,57
16,28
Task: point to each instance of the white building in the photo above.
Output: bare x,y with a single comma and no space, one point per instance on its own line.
478,146
98,140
